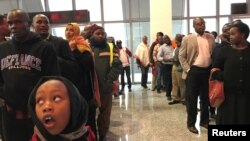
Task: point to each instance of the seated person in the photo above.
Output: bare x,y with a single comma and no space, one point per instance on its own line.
58,110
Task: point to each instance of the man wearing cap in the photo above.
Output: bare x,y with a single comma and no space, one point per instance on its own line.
107,72
124,54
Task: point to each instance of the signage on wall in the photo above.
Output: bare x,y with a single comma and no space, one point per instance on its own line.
239,8
63,17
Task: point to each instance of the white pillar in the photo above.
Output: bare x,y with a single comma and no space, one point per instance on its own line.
160,17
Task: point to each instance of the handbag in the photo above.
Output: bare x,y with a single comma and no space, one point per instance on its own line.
216,91
179,68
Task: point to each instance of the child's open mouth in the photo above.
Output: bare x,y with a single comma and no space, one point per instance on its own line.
49,122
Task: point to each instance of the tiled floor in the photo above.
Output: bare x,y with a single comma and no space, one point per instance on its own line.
144,115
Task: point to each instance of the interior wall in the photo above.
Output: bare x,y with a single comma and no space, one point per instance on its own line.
27,5
7,5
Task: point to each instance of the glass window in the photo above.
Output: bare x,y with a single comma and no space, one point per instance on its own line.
58,31
223,21
179,8
27,5
43,5
93,6
139,30
210,25
113,10
225,6
140,9
62,5
120,31
179,27
202,8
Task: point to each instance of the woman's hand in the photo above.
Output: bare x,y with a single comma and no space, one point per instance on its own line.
72,44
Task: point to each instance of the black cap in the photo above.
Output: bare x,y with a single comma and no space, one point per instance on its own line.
118,42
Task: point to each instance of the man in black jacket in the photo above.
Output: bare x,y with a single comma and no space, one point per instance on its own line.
24,60
4,31
67,65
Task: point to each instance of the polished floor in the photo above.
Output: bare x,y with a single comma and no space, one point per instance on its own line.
144,115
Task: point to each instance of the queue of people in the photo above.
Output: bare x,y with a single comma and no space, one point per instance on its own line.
72,78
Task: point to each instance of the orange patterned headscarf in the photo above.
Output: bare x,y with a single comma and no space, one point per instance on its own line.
77,41
76,28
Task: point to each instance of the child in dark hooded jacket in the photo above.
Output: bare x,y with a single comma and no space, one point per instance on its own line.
58,110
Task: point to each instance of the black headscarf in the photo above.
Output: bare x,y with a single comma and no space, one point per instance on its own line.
78,110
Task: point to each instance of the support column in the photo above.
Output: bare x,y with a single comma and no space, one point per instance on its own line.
160,17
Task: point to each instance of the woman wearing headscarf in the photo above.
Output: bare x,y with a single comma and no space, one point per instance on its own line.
88,83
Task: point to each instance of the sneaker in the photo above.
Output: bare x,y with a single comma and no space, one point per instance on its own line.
154,89
169,98
183,102
173,102
158,91
121,93
193,129
145,87
116,95
213,116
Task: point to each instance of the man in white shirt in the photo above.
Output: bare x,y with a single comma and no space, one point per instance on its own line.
142,59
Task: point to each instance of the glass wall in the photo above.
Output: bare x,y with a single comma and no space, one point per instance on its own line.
179,27
202,8
63,5
225,6
139,30
113,10
128,20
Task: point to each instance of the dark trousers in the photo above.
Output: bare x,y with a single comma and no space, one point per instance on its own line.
1,130
197,86
144,75
16,129
127,71
167,74
103,120
92,116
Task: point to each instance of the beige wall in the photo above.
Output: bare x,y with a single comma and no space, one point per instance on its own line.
160,17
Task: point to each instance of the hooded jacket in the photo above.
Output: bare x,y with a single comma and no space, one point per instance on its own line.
22,65
106,71
75,130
